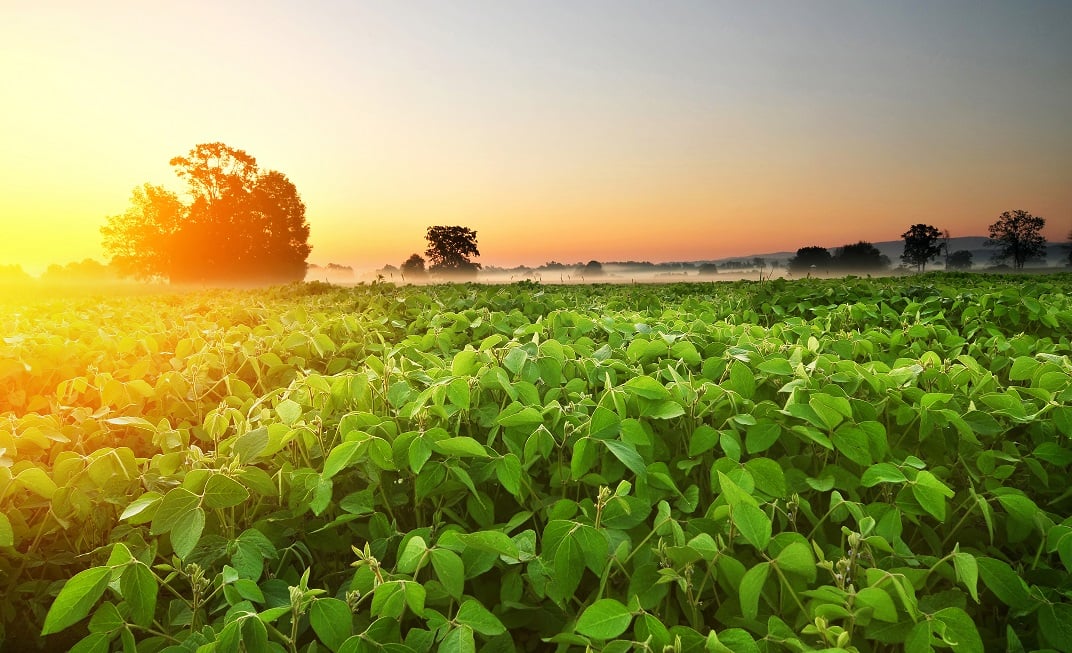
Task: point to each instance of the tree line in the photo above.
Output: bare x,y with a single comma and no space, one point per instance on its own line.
240,223
1016,236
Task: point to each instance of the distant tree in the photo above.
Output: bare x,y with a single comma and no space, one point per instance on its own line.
922,243
9,273
861,256
810,257
1069,247
241,224
591,269
450,249
413,267
1017,235
960,260
946,237
85,270
708,268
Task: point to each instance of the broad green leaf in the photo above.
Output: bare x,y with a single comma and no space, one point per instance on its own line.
768,475
753,524
508,470
960,631
931,494
967,573
761,436
332,621
628,455
476,616
289,411
1055,622
7,534
412,554
175,504
251,444
74,601
37,481
1004,583
751,589
98,642
139,589
776,366
852,442
223,492
342,456
604,619
460,446
882,473
797,559
569,564
879,601
830,409
187,532
521,416
449,570
106,619
458,640
646,387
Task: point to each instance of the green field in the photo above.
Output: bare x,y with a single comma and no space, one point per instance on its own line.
854,464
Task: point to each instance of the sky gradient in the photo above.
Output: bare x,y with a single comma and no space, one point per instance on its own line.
561,131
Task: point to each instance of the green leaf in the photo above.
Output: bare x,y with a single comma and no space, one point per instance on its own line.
830,409
93,643
106,619
628,455
604,619
960,631
176,503
751,589
458,393
7,534
569,566
251,444
646,387
187,532
882,473
853,443
342,456
1004,583
458,640
289,411
776,366
523,416
332,621
74,601
223,492
473,614
761,436
797,559
139,589
879,601
768,475
508,470
754,525
449,570
931,494
412,555
1055,622
967,573
37,481
461,446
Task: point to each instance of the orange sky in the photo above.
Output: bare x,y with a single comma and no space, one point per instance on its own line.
558,130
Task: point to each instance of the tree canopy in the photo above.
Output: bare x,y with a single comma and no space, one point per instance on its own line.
960,260
413,267
861,256
1018,236
922,243
808,258
240,224
450,249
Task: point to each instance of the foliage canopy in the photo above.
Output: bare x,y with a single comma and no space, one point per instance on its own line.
450,251
923,243
1018,236
241,224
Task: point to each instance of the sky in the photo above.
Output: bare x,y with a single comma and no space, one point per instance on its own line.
563,130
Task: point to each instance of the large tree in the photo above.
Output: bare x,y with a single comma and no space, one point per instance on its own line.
959,260
810,258
449,251
922,243
241,224
141,242
860,257
1018,235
